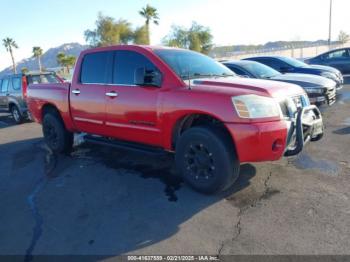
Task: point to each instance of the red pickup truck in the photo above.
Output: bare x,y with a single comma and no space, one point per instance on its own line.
159,99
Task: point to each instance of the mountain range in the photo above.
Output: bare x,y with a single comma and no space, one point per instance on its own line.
48,59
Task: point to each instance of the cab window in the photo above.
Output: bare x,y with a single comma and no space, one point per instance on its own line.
125,64
96,68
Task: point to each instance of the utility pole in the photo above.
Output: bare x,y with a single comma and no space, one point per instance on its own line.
330,24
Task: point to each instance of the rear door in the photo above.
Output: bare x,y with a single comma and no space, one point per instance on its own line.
132,113
4,93
88,96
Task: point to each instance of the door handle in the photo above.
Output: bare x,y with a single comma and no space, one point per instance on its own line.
111,94
76,91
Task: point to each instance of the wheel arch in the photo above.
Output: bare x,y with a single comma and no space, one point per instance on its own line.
198,119
50,108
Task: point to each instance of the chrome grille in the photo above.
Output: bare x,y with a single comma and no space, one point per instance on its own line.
331,95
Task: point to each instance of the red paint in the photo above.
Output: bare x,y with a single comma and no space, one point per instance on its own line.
149,114
24,87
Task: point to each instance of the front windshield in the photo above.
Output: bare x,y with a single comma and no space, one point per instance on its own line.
260,70
191,65
294,62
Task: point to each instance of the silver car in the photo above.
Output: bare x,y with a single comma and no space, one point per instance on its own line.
13,92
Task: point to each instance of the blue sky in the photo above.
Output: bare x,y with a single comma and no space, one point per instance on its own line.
49,23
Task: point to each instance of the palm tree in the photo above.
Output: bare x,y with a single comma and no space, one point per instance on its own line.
38,52
9,44
150,14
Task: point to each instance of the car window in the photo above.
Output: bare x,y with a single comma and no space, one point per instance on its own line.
96,68
4,85
43,79
260,70
337,54
16,83
275,64
237,70
125,64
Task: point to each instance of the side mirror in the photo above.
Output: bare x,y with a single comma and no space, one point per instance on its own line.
144,77
139,76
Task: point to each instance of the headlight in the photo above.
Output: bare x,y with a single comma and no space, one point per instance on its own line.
254,106
314,90
329,75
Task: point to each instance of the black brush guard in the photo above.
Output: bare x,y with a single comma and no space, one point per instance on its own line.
307,126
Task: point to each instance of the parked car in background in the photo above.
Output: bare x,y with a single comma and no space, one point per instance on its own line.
319,89
13,92
157,99
338,58
285,64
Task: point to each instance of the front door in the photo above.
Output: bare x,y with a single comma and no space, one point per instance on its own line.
88,96
132,111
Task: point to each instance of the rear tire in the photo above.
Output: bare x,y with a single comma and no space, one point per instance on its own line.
56,136
16,114
206,159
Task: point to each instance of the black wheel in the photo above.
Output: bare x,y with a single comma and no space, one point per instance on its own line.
206,158
56,136
16,114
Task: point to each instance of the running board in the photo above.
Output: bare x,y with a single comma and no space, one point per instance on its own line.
140,148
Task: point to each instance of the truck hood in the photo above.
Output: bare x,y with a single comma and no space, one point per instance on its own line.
235,86
305,80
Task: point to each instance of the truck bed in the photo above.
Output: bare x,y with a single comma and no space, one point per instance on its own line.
56,95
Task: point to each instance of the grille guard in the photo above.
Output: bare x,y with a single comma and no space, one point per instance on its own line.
305,130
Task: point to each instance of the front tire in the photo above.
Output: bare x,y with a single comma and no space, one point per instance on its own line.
206,158
56,136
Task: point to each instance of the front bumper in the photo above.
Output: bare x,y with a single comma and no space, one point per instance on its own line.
308,126
269,141
328,98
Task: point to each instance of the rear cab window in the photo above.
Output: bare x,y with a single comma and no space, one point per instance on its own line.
43,79
96,68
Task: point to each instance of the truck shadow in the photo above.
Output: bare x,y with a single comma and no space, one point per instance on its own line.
98,200
342,131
